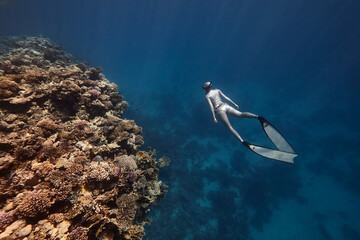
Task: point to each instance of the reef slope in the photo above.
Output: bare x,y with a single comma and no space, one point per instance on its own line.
70,165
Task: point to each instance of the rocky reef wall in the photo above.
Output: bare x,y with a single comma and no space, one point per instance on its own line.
70,165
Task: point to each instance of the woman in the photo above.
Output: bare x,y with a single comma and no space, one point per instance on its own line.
221,109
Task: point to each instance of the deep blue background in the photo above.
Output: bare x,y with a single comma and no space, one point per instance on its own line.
296,62
272,42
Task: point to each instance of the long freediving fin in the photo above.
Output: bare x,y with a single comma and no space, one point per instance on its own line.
275,136
271,153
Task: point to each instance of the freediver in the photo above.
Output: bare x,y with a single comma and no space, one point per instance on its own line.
220,110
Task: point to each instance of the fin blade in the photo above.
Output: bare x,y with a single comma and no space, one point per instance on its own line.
272,153
276,137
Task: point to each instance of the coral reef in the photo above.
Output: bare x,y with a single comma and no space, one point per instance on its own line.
5,220
80,233
33,204
70,165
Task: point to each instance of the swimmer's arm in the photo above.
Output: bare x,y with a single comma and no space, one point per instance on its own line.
211,108
228,99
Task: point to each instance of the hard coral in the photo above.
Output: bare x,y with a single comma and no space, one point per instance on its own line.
79,233
36,75
34,204
95,93
5,220
56,218
115,98
42,169
48,124
82,66
61,126
6,162
126,162
8,88
82,124
164,162
94,73
100,172
69,88
51,54
135,232
132,176
9,68
127,206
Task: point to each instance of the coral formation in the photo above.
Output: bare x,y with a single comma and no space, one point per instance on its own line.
80,233
33,204
70,164
126,162
5,220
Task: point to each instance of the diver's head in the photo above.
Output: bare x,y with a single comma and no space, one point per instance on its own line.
207,86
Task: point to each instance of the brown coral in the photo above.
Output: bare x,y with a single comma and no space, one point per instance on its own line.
134,232
100,172
6,162
56,218
36,75
80,233
47,124
43,169
68,156
127,206
94,73
126,162
8,88
34,204
5,220
51,54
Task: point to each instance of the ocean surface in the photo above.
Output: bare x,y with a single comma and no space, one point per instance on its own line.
295,62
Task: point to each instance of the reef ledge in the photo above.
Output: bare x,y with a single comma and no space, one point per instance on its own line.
70,165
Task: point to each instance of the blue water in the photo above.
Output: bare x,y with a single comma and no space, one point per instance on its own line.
295,62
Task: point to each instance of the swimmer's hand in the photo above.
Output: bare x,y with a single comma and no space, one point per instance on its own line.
215,121
236,105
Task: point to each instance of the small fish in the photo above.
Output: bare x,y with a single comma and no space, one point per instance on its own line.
84,208
104,127
71,197
101,143
85,164
9,176
98,158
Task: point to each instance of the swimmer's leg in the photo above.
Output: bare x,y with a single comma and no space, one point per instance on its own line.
224,119
237,113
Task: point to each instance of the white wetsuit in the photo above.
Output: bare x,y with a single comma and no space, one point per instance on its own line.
214,96
221,109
